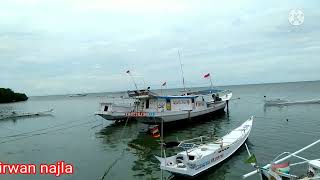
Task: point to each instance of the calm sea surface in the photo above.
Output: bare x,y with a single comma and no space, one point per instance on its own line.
91,144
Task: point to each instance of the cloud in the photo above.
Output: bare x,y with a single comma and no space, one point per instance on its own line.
68,46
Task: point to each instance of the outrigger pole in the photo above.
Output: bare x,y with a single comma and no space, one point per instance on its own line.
283,159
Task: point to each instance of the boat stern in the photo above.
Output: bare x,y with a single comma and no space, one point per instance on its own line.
175,165
110,111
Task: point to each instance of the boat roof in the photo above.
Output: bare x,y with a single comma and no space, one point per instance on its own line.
175,97
142,93
315,163
146,93
206,91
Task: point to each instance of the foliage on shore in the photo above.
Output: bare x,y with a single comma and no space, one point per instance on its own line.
7,96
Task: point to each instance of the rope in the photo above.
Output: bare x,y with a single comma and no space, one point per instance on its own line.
54,130
11,129
120,156
50,127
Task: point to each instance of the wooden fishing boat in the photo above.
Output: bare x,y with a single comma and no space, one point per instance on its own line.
152,108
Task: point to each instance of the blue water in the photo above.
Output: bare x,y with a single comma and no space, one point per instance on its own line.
91,144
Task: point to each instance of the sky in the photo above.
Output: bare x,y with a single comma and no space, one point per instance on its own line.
74,46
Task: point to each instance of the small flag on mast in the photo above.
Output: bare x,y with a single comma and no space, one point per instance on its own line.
207,75
251,159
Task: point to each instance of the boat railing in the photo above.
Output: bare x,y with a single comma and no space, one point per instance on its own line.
288,153
117,100
201,138
196,142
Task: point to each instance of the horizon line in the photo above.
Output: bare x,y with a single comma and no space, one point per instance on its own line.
119,91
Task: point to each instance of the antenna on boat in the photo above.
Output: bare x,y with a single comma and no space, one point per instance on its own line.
184,86
128,72
144,82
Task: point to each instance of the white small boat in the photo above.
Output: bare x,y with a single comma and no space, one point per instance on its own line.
274,102
197,158
278,169
282,102
77,95
15,114
114,112
118,109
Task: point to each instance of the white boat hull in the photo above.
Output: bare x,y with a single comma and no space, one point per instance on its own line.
112,116
171,116
210,154
286,103
113,112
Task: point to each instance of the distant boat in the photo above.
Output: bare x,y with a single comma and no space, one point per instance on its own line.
113,111
199,157
281,102
15,114
77,95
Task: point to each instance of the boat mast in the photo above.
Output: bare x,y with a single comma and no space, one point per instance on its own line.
184,86
211,83
135,84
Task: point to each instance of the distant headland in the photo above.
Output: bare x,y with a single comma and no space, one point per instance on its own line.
7,96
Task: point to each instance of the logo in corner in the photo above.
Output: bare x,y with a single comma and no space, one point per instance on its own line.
296,17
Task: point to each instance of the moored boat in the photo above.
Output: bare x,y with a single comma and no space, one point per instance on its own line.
280,102
283,102
77,95
279,169
153,109
15,114
117,110
199,157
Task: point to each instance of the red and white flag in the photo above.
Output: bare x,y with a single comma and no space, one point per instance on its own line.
164,84
206,75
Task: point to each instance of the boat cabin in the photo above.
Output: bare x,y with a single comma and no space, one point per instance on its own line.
173,103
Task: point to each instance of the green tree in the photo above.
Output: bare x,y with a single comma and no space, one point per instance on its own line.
7,95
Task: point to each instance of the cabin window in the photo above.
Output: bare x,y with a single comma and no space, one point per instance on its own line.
191,158
147,103
106,108
168,104
192,100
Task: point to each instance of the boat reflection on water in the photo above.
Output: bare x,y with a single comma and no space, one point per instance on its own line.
144,147
137,142
114,134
